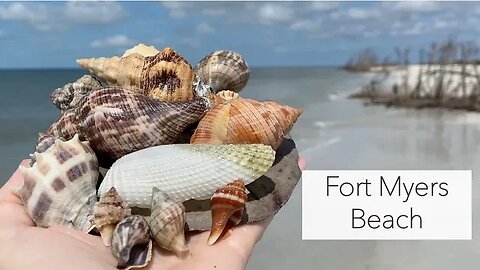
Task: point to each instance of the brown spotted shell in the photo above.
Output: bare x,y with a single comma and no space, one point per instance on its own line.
246,121
69,96
59,189
165,76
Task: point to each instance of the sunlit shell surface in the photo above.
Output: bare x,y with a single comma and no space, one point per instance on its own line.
246,121
141,49
59,189
69,96
185,171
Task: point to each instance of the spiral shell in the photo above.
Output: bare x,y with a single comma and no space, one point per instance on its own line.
246,121
141,49
228,203
165,76
69,96
223,70
108,211
221,97
167,223
59,189
131,243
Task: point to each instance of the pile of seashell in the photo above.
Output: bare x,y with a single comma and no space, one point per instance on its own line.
148,147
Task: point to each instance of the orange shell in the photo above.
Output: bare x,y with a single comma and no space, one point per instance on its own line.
246,121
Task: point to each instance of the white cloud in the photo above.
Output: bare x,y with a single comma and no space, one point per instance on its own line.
414,6
357,13
94,12
39,17
204,28
118,41
176,9
272,13
324,6
214,11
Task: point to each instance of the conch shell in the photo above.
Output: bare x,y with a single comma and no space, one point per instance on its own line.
228,203
246,121
167,223
59,189
69,96
185,171
223,70
131,243
108,212
165,76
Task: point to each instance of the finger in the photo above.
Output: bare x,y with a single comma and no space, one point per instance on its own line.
302,164
7,192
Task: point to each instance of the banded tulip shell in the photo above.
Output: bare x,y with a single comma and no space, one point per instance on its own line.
118,122
165,76
246,121
60,187
184,171
228,203
108,212
131,243
69,96
167,223
223,70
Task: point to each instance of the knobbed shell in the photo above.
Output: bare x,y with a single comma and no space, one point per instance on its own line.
167,223
69,96
223,70
108,212
141,49
131,243
246,121
221,97
165,76
59,189
228,203
117,122
185,171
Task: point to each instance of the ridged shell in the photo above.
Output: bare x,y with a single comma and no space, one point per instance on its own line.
59,189
223,70
142,49
117,122
167,223
228,203
185,171
69,96
131,243
165,76
246,121
108,212
221,97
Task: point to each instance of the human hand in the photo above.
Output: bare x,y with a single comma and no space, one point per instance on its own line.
24,246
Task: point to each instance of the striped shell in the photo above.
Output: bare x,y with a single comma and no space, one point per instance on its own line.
167,223
165,76
69,96
59,189
246,121
228,203
184,171
131,243
223,70
118,122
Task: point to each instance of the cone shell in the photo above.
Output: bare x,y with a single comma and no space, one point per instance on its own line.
108,212
209,167
223,70
69,96
246,121
165,76
141,49
131,243
167,223
59,189
227,204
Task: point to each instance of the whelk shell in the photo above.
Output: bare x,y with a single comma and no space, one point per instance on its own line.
167,223
131,243
246,121
228,203
223,70
185,171
141,49
69,96
59,189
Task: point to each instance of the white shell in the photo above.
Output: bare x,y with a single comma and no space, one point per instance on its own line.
185,171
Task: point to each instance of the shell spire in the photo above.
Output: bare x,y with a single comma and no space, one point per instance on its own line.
227,203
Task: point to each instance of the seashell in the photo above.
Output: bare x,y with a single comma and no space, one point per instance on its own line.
141,49
223,70
167,223
208,168
221,97
69,96
131,243
228,203
246,121
60,187
117,122
108,211
165,76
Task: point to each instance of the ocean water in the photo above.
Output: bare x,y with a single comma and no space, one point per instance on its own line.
332,133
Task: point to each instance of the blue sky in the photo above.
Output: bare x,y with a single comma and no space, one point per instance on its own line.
54,34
